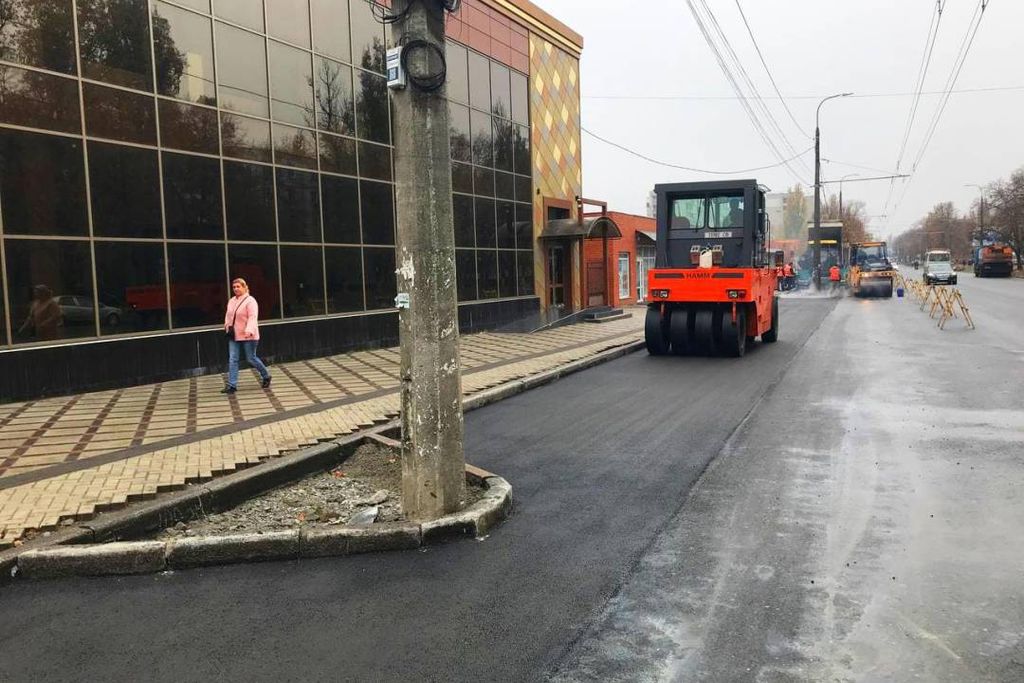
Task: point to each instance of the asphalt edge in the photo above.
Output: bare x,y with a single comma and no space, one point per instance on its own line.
226,491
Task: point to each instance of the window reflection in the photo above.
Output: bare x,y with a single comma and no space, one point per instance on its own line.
483,149
38,34
524,265
187,127
344,279
374,161
248,13
42,184
524,226
501,98
198,283
257,265
465,274
241,70
125,186
335,101
487,274
458,120
302,281
503,144
294,146
377,212
114,43
367,37
249,202
38,100
44,279
340,209
372,107
131,284
289,20
483,181
457,82
506,225
192,197
186,69
462,217
520,93
330,29
291,83
119,114
298,206
381,282
337,154
507,273
462,178
485,223
479,81
245,138
521,150
504,185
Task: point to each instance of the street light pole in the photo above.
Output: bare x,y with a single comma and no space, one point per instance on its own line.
981,212
848,175
817,188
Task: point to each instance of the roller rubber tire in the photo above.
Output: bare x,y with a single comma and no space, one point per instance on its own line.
681,331
704,331
654,333
734,337
771,335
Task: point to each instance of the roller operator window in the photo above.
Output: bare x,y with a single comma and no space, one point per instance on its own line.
687,214
725,212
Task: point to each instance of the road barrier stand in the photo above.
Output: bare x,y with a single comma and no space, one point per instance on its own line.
956,300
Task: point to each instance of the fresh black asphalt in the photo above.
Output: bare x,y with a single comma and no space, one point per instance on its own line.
599,463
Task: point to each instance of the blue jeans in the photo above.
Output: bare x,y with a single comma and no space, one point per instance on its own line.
249,347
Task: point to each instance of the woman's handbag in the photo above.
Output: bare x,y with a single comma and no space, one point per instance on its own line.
230,332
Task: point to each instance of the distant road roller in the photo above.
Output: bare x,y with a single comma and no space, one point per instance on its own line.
713,288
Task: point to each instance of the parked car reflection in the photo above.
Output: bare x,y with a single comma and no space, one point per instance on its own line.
79,309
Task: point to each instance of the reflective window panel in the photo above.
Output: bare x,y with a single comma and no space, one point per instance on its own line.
125,187
462,178
291,85
298,207
503,144
367,37
302,281
114,42
520,98
377,212
381,282
506,225
501,99
242,70
372,107
49,290
294,146
458,120
485,223
42,184
340,198
524,266
192,197
289,20
248,13
132,288
483,154
337,154
257,265
479,81
457,83
199,290
524,226
335,99
184,64
330,29
507,275
521,150
187,127
465,274
487,274
462,214
504,185
249,202
245,138
38,100
39,33
524,188
119,115
374,161
344,279
483,181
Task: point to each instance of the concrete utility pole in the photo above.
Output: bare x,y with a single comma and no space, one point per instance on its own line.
817,188
433,466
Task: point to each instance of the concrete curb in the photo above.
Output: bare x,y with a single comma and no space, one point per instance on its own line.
224,492
146,557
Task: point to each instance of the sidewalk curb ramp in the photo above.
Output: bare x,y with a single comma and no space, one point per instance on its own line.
98,547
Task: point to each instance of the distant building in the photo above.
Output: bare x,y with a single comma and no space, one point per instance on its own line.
652,205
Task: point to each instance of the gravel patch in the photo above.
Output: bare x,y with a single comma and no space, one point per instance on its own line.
365,488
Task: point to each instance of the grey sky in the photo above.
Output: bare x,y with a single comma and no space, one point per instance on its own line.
814,48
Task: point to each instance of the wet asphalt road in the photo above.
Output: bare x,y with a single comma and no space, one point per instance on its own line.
600,462
864,525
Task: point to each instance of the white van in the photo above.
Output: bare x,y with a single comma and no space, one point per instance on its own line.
938,268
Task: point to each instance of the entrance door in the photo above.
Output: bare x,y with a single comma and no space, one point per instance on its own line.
595,283
558,290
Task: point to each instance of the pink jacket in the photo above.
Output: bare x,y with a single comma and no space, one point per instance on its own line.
246,317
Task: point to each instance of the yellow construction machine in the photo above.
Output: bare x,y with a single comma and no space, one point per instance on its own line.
871,273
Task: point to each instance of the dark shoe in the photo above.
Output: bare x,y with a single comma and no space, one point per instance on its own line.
266,382
228,390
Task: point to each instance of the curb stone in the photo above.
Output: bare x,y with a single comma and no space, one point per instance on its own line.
143,557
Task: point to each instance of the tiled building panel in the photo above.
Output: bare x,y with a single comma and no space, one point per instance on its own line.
491,32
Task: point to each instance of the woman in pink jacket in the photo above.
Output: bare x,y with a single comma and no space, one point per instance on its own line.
241,326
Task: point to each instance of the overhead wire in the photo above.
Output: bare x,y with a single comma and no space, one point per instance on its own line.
688,168
962,91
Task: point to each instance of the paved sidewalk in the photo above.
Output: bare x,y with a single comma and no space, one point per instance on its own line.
63,459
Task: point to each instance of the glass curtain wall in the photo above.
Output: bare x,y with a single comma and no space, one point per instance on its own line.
151,150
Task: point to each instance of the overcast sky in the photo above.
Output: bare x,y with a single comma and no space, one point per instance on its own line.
814,48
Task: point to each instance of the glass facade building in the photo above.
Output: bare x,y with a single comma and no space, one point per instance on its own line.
152,150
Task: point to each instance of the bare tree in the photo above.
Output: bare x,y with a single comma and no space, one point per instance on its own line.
1007,202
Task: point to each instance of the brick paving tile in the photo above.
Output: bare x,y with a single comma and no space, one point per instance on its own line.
177,413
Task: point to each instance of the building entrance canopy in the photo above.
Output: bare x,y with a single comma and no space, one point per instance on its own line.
590,228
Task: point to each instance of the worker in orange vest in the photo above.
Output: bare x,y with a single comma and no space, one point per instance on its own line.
788,274
834,275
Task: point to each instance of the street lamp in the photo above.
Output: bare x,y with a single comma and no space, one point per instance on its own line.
817,188
848,175
981,212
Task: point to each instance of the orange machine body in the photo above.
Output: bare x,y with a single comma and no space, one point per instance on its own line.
753,288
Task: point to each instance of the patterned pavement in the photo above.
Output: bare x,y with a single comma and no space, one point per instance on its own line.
63,459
